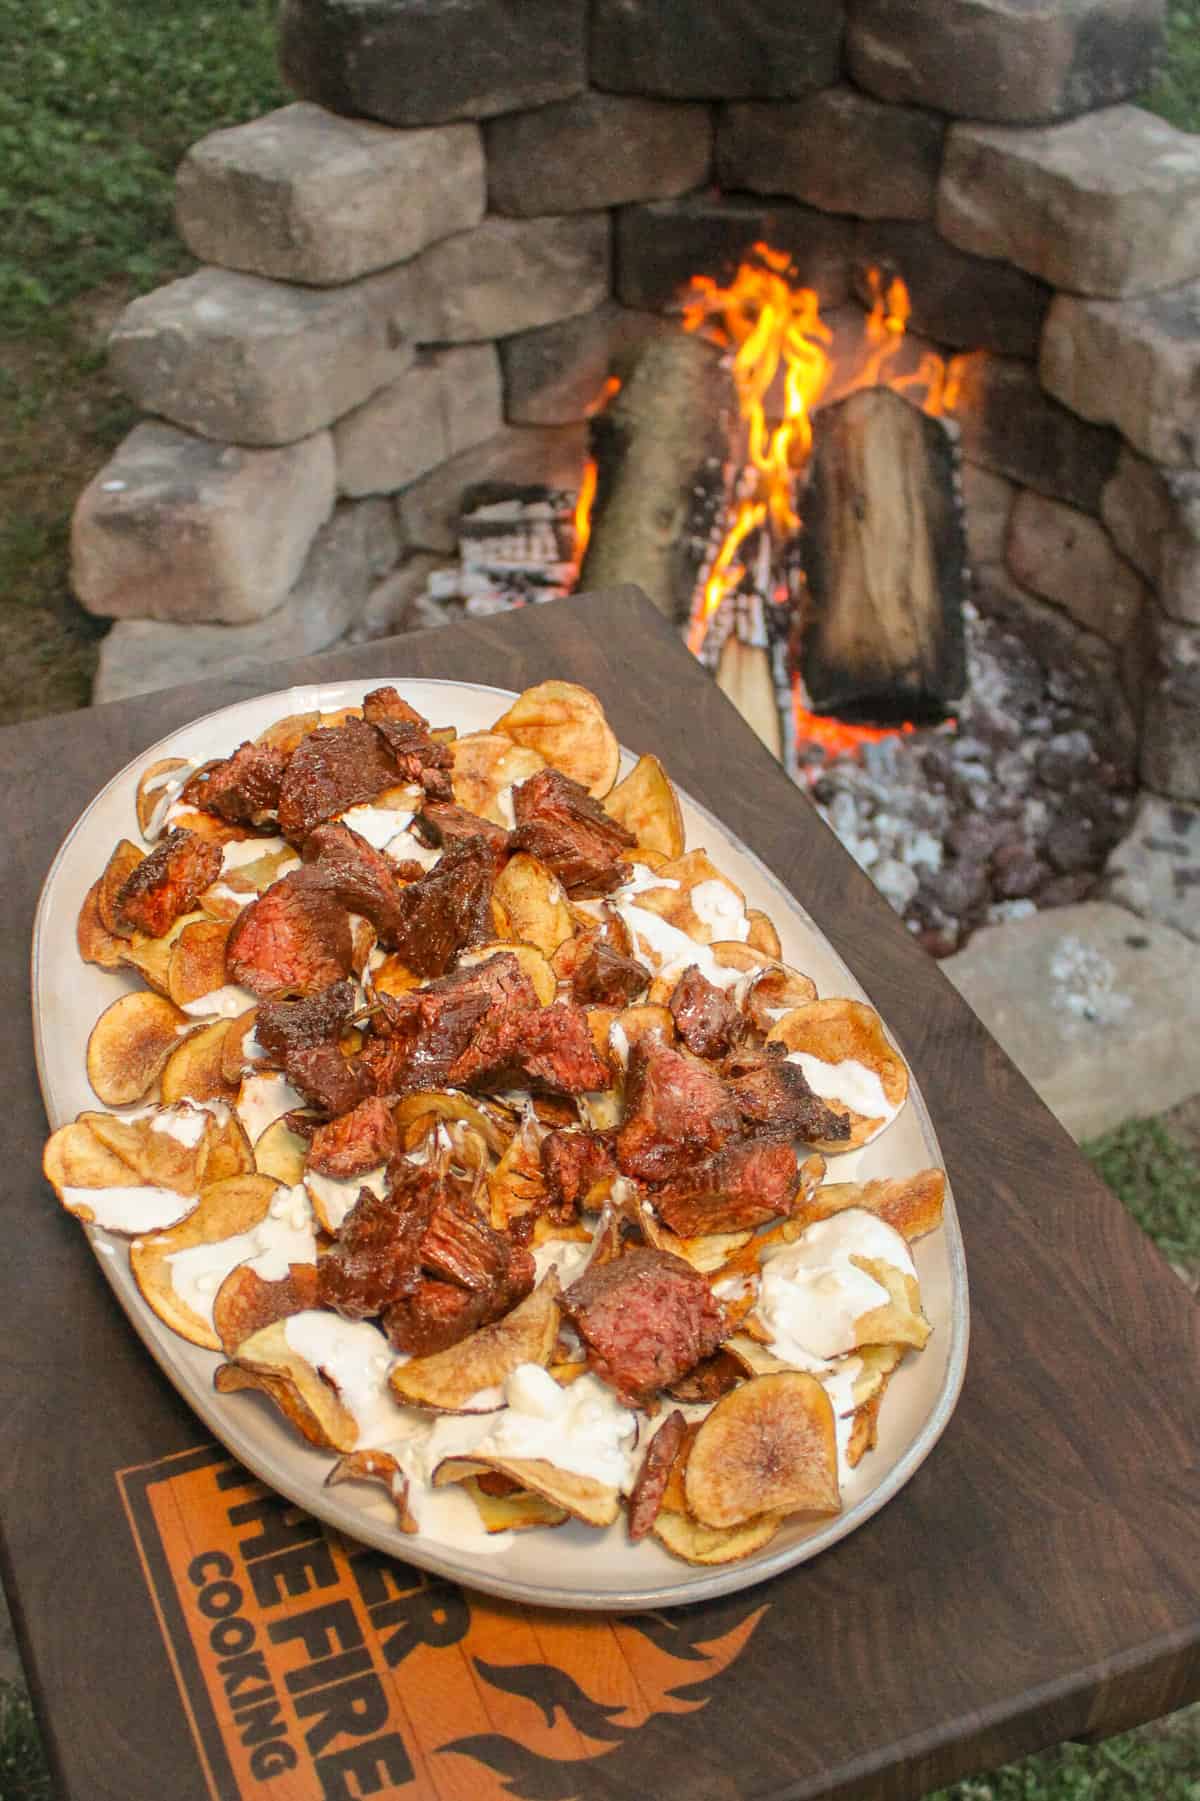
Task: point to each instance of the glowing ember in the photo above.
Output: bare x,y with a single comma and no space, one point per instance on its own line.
583,509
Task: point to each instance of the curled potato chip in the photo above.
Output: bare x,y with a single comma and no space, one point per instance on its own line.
711,1250
281,1153
246,1301
517,1186
158,783
647,1022
697,899
151,957
762,935
532,961
168,1147
766,1447
911,1204
266,1362
534,903
493,1125
513,1512
129,1045
393,976
226,1210
382,1468
229,1152
95,943
487,766
196,1069
286,734
645,803
687,1538
235,1060
777,990
848,1038
899,1320
447,1380
120,866
565,724
75,1158
583,1497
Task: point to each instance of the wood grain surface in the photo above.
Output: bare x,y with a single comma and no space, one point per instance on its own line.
1034,1581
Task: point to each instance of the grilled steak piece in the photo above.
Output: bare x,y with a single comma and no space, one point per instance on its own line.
331,769
559,823
646,1319
356,1142
710,1379
419,1035
375,1258
458,1245
440,822
705,1018
419,758
742,1186
773,1096
385,703
294,939
328,1081
285,1026
607,979
550,1047
165,884
572,1163
646,1496
360,877
433,1317
677,1112
448,909
243,789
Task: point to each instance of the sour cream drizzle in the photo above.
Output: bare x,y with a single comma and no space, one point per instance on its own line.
671,951
811,1295
221,1003
849,1082
240,851
335,1197
282,1237
264,1099
133,1210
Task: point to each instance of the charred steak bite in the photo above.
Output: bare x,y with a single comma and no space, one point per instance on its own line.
773,1096
547,1048
458,1245
385,703
739,1187
607,979
328,1081
573,1161
677,1112
440,823
375,1258
243,788
167,882
417,1037
448,909
418,757
285,1026
646,1319
294,939
359,876
705,1018
560,824
355,1142
433,1317
333,768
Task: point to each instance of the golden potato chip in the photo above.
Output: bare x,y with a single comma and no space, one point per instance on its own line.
864,1432
535,903
196,1070
96,944
533,964
393,976
157,786
696,899
285,734
645,803
877,1361
517,1186
515,1512
151,957
487,766
644,1022
236,888
120,866
246,1301
129,1045
382,1468
694,1543
494,1127
75,1158
229,1152
447,1380
227,1211
848,1038
762,936
899,1320
583,1497
565,724
281,1153
711,1250
234,1058
267,1364
766,1447
166,1147
910,1204
777,990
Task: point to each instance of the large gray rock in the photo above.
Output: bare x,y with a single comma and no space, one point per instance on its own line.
989,502
1011,426
557,375
1154,517
836,149
422,62
737,49
597,150
446,402
1100,1010
304,195
1134,364
660,246
1107,205
967,301
177,527
427,513
991,59
1155,870
347,557
249,361
1170,760
1067,556
507,275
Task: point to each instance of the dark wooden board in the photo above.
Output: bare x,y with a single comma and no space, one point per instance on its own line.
1034,1581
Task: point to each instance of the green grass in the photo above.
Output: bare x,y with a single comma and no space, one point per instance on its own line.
23,1773
1176,95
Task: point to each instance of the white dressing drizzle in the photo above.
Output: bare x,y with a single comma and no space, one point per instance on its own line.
337,1196
669,951
237,897
505,808
241,851
406,847
720,910
849,1082
220,1003
264,1099
283,1236
570,1256
186,1125
133,1210
378,825
811,1296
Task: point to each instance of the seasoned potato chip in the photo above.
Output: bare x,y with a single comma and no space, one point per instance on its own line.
286,733
196,1070
697,899
533,964
120,866
447,1380
75,1158
565,724
912,1204
694,1543
534,903
711,1250
493,1126
900,1319
227,1211
235,1059
766,1447
229,1152
380,1467
517,1186
246,1301
644,802
633,1024
514,1512
581,1496
157,786
130,1043
151,957
392,976
166,1148
487,766
776,991
844,1052
762,935
96,944
266,1363
281,1153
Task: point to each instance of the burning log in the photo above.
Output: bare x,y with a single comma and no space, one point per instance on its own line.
885,559
663,445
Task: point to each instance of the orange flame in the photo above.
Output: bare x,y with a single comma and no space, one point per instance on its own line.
586,498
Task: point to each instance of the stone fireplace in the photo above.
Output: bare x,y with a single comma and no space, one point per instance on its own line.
417,280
